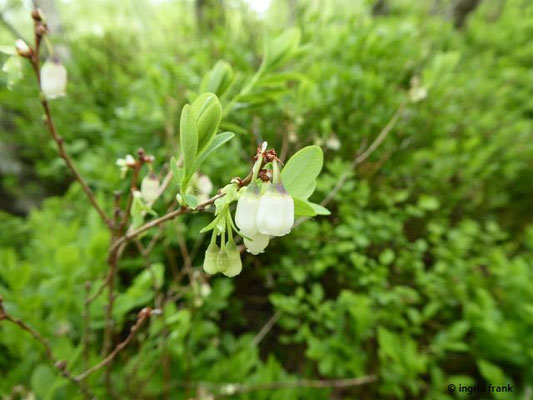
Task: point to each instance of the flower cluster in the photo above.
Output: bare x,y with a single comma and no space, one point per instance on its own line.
264,210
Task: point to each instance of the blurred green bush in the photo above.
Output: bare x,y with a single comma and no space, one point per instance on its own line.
421,276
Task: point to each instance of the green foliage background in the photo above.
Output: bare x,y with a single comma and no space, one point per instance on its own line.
423,273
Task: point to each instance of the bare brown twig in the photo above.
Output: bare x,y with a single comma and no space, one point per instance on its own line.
133,187
113,266
169,216
144,314
86,324
40,30
60,365
360,158
231,389
266,328
303,383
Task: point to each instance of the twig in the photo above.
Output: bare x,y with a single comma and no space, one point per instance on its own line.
133,187
100,290
302,383
60,365
143,315
187,261
230,389
360,158
159,233
266,328
164,184
158,221
86,323
64,155
34,60
169,216
113,263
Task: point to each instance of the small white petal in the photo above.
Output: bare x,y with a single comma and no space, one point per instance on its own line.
130,161
258,243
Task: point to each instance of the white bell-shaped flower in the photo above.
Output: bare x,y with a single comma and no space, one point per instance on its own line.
53,79
275,215
257,244
150,188
246,213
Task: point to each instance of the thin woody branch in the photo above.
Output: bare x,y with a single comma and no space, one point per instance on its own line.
60,365
231,389
40,30
305,383
360,158
144,314
169,216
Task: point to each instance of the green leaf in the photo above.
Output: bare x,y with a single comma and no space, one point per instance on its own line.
309,190
320,210
218,141
177,172
9,50
191,200
41,378
491,372
188,141
428,202
302,207
299,174
210,226
281,48
218,79
229,126
13,68
281,78
208,112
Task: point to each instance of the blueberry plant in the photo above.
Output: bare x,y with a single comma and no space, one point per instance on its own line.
268,198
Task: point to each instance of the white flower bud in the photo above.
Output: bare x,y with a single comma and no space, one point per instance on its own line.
150,188
204,184
205,289
22,48
333,143
222,263
246,213
234,261
275,215
53,79
210,260
257,244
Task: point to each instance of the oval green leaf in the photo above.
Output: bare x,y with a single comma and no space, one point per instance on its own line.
299,174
